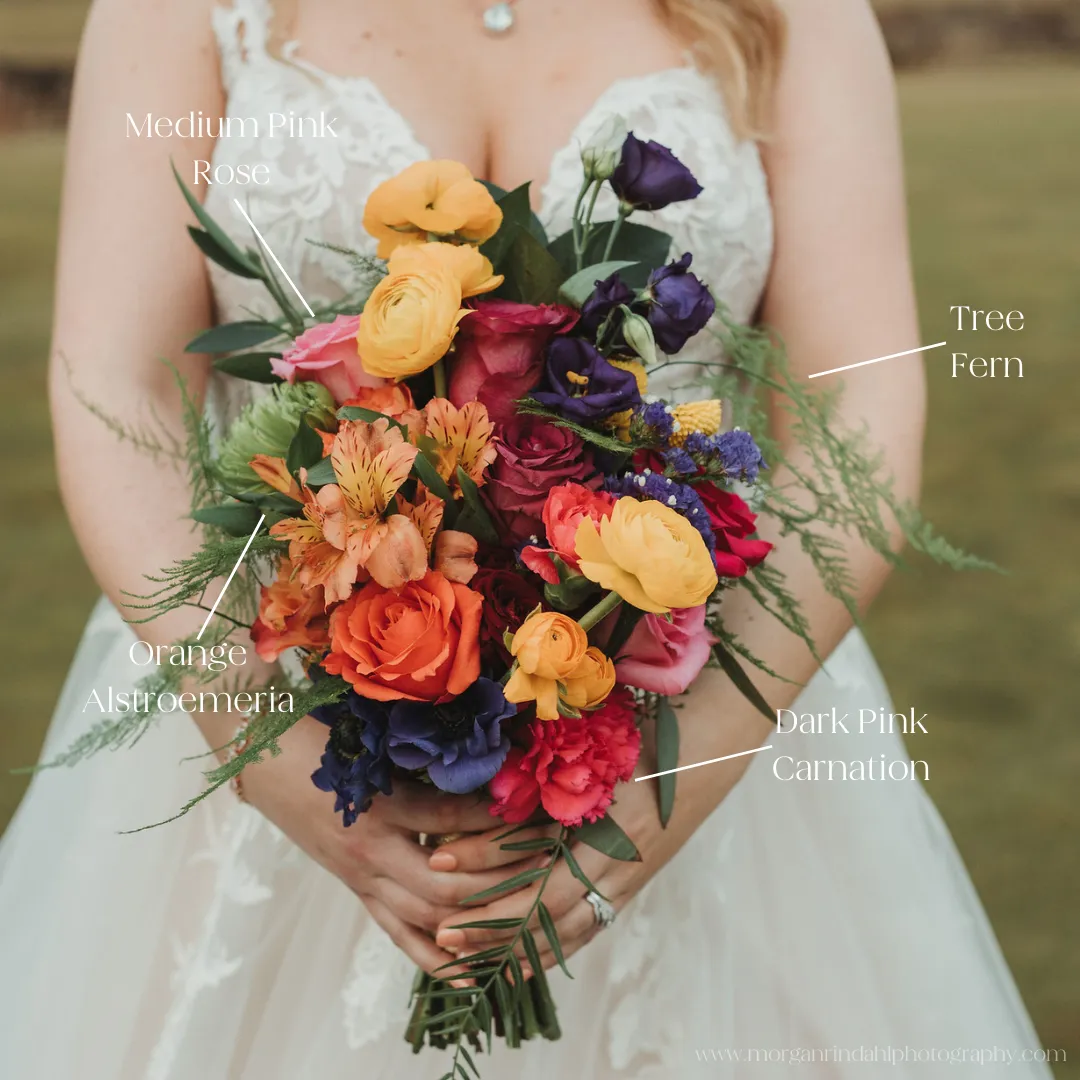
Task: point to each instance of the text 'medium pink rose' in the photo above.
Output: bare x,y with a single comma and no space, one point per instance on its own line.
666,657
564,510
498,353
327,354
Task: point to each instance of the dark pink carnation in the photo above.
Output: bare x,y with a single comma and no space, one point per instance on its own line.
571,766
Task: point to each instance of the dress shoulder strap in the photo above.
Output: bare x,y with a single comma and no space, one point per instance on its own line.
243,29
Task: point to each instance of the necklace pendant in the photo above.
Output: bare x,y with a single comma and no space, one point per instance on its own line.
499,18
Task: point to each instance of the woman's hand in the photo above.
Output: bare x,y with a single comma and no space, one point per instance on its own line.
379,857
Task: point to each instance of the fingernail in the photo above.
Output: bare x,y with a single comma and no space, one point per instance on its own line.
526,971
461,984
442,860
450,939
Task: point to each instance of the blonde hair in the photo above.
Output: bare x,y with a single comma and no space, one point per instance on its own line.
742,43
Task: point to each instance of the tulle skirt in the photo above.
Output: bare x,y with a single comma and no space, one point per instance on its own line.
829,923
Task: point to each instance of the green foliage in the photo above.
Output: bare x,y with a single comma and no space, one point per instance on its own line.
528,407
634,244
577,288
667,756
270,425
607,837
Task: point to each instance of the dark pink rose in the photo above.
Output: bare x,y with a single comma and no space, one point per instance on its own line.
327,354
666,657
533,457
499,350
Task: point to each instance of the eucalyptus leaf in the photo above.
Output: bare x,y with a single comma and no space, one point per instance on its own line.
232,337
474,518
216,232
216,253
322,472
548,925
734,671
607,837
667,757
577,288
532,275
305,450
254,367
636,243
235,518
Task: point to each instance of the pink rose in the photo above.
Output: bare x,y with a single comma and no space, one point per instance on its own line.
327,354
666,657
567,505
499,350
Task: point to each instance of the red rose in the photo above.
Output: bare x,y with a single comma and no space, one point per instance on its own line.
499,352
732,522
571,766
508,599
534,456
566,507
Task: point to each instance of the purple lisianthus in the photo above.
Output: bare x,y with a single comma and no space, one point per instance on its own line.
582,385
460,743
682,498
649,176
680,305
740,455
609,294
355,765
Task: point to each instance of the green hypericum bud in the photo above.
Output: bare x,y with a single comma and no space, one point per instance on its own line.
601,155
267,426
639,336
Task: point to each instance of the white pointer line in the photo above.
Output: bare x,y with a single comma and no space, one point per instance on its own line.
891,356
277,261
698,764
228,580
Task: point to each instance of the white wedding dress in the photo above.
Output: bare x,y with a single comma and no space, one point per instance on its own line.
828,916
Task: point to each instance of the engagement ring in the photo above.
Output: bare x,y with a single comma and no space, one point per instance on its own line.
603,911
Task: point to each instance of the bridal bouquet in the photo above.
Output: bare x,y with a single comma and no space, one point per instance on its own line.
496,553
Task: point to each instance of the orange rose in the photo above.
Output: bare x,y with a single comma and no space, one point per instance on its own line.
419,642
289,616
552,649
430,198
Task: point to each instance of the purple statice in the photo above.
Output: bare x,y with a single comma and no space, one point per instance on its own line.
459,742
682,498
356,765
740,455
679,461
657,415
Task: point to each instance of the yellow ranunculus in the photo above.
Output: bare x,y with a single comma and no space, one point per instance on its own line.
647,553
409,322
551,648
591,682
430,198
472,270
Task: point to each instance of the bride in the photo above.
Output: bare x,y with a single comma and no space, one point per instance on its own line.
256,939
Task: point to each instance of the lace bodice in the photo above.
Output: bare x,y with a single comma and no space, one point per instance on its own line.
319,185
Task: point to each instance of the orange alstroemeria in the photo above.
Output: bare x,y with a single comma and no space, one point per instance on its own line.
344,535
454,551
394,400
465,439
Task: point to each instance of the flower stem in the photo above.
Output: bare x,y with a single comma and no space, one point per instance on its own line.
624,212
600,611
579,247
439,372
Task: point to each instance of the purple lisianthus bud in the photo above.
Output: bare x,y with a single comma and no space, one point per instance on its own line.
460,742
649,176
582,385
680,304
609,294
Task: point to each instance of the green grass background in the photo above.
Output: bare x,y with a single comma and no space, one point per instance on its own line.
994,162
